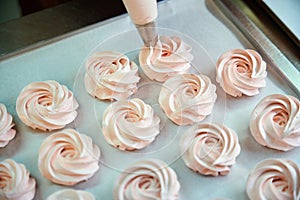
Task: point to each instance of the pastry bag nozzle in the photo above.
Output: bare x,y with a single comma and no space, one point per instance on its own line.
148,33
143,14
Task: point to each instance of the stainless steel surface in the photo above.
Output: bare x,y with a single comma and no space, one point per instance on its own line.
274,57
148,33
38,28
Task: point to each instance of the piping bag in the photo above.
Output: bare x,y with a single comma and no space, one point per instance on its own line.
143,14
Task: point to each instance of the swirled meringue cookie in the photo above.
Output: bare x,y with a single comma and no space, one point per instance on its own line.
275,122
46,105
15,181
276,179
210,149
170,57
7,133
149,179
71,194
130,124
68,157
111,75
187,98
241,72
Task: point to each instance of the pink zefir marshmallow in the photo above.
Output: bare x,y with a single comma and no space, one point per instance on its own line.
210,149
241,72
149,179
7,133
15,181
46,105
130,124
275,122
170,57
68,157
187,98
111,76
274,179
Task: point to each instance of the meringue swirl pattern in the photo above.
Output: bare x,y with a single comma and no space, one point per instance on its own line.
15,181
187,98
276,179
241,72
149,179
68,157
170,57
46,105
275,122
66,194
111,75
210,149
7,133
130,124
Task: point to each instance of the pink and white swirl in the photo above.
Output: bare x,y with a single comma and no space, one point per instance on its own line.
46,105
15,181
111,75
7,133
130,124
187,98
147,179
275,122
276,179
68,157
210,149
170,57
241,72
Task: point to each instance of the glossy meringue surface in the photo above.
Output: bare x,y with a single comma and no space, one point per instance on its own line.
187,98
15,181
68,157
147,179
130,124
241,71
170,57
46,105
210,148
110,76
276,179
275,122
7,133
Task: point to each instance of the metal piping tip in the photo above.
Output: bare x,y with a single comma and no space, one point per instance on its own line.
148,33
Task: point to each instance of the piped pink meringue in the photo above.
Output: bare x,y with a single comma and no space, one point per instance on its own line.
68,157
111,75
130,124
275,122
46,105
71,194
147,179
7,133
210,149
274,179
170,57
187,98
241,72
15,181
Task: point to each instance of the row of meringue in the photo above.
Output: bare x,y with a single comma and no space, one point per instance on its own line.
132,124
111,75
17,184
154,179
